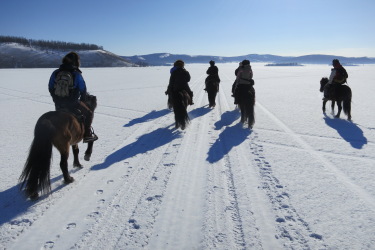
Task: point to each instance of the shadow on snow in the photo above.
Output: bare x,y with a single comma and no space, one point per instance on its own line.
229,138
349,131
13,202
142,145
198,112
150,116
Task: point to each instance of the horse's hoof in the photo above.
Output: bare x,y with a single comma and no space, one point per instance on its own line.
34,196
87,157
70,180
77,165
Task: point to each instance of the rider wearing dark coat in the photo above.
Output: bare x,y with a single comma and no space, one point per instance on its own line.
213,74
337,78
73,101
179,80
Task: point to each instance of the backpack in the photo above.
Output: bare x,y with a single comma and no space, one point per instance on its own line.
63,83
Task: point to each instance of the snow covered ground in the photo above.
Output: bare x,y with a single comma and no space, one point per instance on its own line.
298,180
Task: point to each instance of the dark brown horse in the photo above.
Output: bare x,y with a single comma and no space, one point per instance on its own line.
212,87
180,100
62,130
245,95
341,94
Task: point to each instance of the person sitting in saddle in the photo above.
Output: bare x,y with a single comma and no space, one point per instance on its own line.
179,80
234,83
244,80
337,78
213,75
67,88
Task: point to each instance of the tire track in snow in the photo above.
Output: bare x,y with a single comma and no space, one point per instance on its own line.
328,165
225,200
140,191
290,226
143,202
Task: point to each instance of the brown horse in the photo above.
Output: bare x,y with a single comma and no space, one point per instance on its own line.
341,94
55,128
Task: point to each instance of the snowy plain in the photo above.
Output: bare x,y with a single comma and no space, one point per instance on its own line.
300,179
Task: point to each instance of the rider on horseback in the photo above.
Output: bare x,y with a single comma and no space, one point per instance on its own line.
179,80
213,75
244,79
76,91
337,78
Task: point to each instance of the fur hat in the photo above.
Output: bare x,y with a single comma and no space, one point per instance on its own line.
179,63
71,58
212,63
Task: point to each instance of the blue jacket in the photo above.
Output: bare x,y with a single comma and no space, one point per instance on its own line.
79,85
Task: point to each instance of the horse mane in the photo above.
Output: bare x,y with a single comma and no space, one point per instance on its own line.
90,101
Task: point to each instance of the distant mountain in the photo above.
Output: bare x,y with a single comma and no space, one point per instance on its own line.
168,59
17,55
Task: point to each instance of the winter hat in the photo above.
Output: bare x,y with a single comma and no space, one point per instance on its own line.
179,63
71,58
245,62
335,62
212,63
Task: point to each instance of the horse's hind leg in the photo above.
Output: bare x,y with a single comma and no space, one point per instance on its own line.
339,109
76,162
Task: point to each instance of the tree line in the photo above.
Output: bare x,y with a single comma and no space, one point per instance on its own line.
53,45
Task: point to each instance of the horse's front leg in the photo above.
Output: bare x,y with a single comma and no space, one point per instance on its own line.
64,167
88,151
339,105
76,162
324,106
333,106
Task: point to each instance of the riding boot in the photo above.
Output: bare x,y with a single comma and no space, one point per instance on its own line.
89,135
191,98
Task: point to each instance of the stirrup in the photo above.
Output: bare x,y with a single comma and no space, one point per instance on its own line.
91,138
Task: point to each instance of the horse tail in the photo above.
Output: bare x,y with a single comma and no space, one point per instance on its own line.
36,173
347,106
347,103
179,108
251,113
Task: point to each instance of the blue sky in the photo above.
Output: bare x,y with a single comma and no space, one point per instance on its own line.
199,27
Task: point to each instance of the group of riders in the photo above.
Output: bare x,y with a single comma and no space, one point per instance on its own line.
68,88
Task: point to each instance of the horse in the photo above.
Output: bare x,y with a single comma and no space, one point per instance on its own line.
245,95
180,100
212,87
341,94
55,128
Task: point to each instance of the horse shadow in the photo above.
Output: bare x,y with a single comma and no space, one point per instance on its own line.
227,118
228,139
195,113
142,145
150,116
349,131
14,203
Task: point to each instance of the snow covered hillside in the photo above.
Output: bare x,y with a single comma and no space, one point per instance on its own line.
298,180
14,55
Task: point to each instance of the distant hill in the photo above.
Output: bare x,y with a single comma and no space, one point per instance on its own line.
168,59
17,55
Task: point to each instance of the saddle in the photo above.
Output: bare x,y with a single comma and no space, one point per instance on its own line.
77,113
